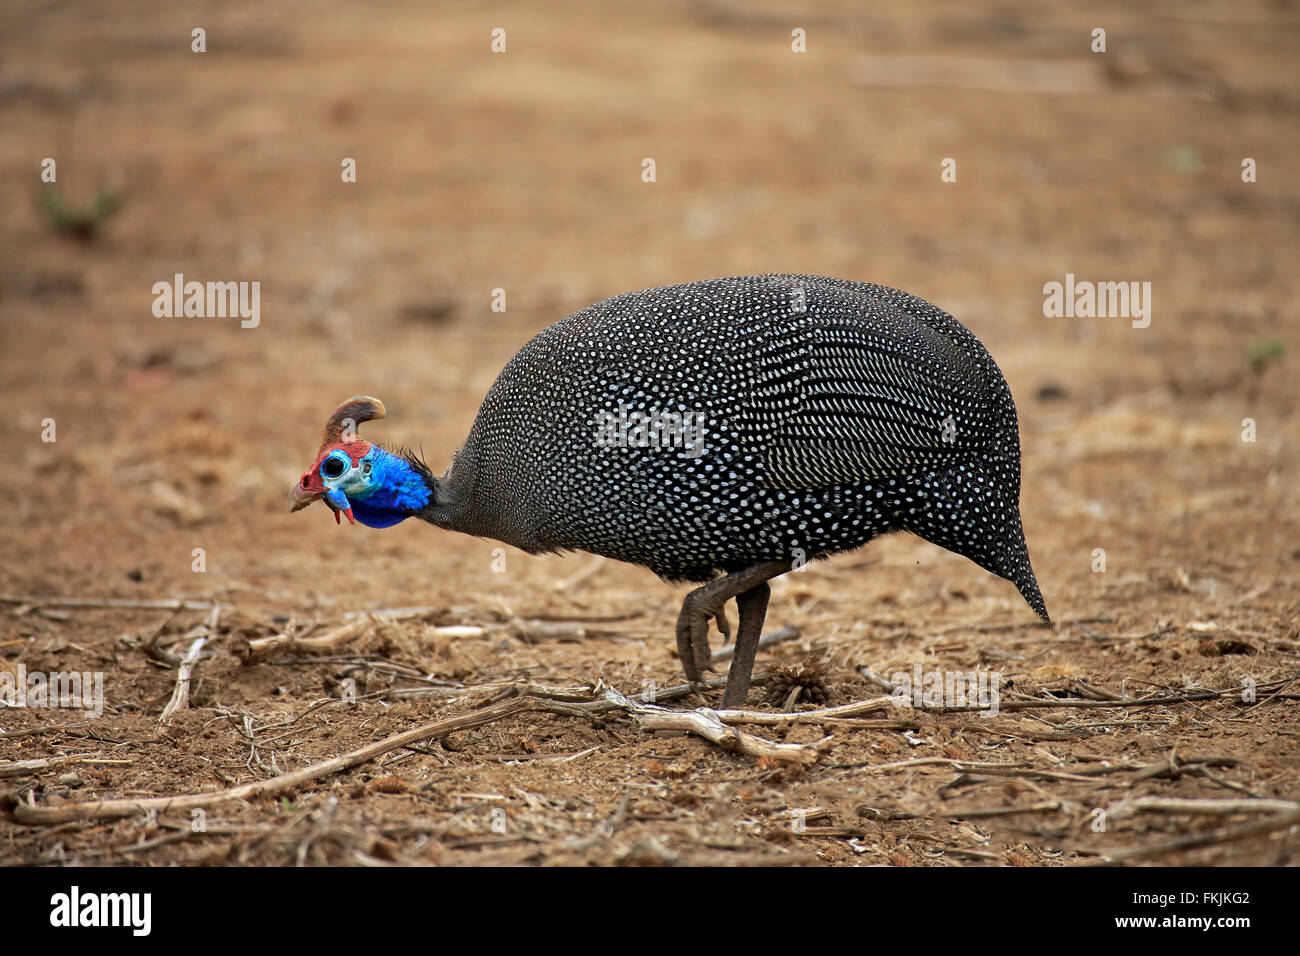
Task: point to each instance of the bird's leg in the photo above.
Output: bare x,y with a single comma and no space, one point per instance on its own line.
693,640
753,610
705,604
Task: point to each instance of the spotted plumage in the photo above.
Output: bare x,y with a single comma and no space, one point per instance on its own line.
719,426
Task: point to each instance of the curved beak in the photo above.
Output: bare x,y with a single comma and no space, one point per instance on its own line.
300,497
302,494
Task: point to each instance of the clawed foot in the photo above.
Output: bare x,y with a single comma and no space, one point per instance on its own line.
693,636
706,603
724,626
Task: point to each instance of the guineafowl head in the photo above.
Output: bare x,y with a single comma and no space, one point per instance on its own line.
363,481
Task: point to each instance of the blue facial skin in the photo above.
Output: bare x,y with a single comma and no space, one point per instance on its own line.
382,489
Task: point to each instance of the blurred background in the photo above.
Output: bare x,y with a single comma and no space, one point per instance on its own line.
522,171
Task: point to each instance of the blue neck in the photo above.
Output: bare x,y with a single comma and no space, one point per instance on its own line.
396,491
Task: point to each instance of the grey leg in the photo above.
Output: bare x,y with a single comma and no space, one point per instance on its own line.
753,609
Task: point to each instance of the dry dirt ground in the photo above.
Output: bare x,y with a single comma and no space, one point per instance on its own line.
522,171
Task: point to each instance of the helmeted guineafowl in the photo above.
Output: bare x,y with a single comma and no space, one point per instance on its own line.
721,432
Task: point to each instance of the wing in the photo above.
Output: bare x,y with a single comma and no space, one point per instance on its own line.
861,388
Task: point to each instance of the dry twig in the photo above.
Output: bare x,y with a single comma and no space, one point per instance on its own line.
260,649
113,809
1270,824
705,723
157,605
22,768
181,694
855,709
1205,807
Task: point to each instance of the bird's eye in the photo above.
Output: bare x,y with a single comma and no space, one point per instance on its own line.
332,468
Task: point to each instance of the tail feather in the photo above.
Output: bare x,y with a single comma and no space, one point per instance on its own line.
1018,570
1028,586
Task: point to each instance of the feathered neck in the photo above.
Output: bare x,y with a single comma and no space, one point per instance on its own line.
400,487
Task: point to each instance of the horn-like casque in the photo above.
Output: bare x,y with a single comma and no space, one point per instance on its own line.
357,409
